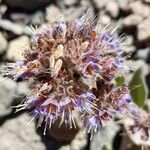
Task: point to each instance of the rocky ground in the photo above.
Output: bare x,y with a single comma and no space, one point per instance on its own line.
132,18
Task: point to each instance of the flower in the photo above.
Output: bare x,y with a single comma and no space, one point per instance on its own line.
73,67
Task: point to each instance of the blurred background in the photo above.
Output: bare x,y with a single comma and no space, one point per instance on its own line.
16,18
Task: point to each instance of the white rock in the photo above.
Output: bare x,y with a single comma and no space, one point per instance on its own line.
53,13
7,91
144,30
16,48
16,134
140,8
100,3
3,43
112,8
15,28
132,20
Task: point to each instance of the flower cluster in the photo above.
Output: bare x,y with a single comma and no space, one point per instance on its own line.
74,68
141,128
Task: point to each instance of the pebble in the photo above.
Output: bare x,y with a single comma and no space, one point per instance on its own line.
144,30
64,3
112,9
70,2
123,4
3,9
147,1
143,53
79,142
128,44
3,44
139,8
15,28
16,134
100,3
132,20
7,91
53,13
16,48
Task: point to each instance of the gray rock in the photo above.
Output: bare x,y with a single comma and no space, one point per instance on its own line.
79,142
7,91
143,53
132,20
144,31
3,43
26,4
76,12
147,1
140,8
16,134
23,88
3,9
16,48
15,28
123,4
10,92
104,20
63,3
128,44
100,3
112,8
53,13
37,18
70,2
134,65
66,147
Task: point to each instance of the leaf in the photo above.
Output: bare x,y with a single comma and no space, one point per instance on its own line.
138,87
119,80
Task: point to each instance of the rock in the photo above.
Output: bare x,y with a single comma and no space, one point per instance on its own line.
3,9
139,8
11,93
67,147
15,28
37,18
27,4
76,12
53,13
134,65
144,31
103,20
132,20
147,1
104,137
143,53
112,9
16,134
16,47
22,88
100,3
128,44
3,44
70,2
123,4
7,91
79,142
63,3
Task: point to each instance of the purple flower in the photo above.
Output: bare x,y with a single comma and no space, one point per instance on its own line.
123,104
73,67
92,123
112,41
